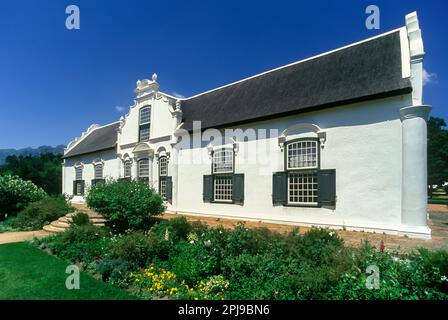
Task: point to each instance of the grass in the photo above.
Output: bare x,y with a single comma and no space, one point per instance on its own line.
29,273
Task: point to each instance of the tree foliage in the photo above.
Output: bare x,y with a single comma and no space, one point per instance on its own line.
437,152
45,170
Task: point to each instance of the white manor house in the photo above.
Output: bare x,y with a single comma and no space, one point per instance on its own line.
337,140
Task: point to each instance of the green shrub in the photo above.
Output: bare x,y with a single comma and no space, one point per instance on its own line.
127,204
39,213
16,194
193,261
8,225
115,271
80,243
80,219
139,248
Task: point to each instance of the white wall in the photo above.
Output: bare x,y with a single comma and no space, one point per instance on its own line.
363,144
110,168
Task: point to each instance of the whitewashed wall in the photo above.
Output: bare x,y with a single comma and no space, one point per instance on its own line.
363,143
110,168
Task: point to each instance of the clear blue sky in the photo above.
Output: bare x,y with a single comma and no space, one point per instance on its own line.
55,82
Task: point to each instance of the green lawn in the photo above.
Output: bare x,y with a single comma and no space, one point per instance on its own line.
28,273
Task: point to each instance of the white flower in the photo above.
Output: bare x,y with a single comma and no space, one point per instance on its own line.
207,243
444,278
192,241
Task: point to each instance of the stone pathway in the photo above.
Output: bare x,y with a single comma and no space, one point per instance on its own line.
20,236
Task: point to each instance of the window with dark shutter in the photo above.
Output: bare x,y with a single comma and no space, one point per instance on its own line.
238,188
169,189
207,192
327,187
279,188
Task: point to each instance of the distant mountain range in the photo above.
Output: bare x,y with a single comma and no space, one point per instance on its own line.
30,151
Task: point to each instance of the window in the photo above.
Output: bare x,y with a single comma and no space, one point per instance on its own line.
127,169
301,158
223,161
302,154
302,188
144,123
78,183
78,173
163,173
163,166
223,185
303,182
143,169
98,168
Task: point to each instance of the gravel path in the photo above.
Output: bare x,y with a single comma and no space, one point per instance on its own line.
20,236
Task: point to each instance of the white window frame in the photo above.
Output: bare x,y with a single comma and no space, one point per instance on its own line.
315,146
163,166
139,169
223,188
127,165
226,152
78,173
314,191
144,124
96,167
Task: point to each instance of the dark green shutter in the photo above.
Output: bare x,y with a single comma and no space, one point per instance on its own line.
326,181
74,188
82,187
279,188
169,189
238,188
207,192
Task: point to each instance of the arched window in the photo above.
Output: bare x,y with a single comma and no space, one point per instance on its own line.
78,183
127,169
143,169
78,173
223,174
144,123
163,173
223,185
98,168
301,166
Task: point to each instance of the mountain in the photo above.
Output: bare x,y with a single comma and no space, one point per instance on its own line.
30,151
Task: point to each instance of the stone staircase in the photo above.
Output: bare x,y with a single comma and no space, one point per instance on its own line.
63,223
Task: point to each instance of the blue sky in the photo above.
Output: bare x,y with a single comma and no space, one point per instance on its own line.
55,82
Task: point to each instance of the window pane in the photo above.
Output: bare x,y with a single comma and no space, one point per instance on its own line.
98,171
145,115
223,188
127,169
163,166
78,173
143,168
163,188
223,161
302,154
144,133
302,188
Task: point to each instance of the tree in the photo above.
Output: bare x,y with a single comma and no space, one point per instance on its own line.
437,152
44,170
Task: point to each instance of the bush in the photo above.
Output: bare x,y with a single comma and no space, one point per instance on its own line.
16,194
127,204
80,219
115,271
80,243
139,248
39,213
